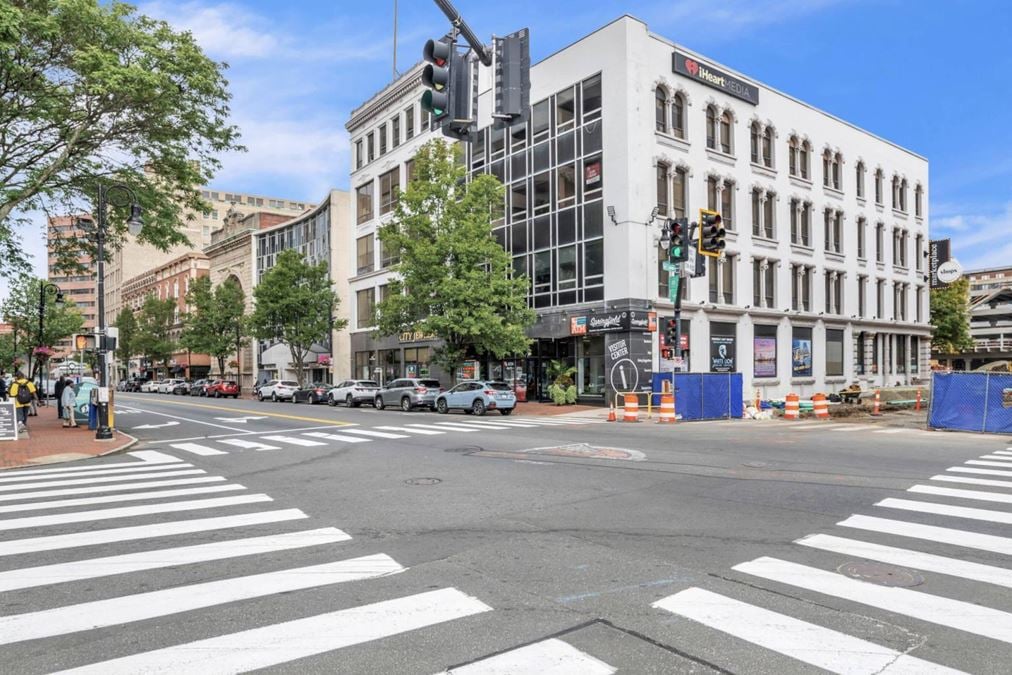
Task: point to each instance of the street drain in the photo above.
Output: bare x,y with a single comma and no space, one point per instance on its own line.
883,575
466,449
423,481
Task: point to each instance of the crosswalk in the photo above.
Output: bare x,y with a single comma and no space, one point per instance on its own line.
908,548
840,427
434,426
80,557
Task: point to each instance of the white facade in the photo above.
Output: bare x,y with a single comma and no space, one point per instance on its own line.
628,142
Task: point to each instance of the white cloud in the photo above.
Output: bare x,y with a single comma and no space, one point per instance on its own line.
223,30
978,239
735,16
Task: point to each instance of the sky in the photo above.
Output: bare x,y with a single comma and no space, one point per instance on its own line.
933,76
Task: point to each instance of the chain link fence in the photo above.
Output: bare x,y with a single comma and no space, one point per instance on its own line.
980,402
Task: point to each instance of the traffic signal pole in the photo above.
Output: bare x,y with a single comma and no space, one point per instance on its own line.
459,25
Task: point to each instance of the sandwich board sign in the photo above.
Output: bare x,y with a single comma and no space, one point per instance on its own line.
8,421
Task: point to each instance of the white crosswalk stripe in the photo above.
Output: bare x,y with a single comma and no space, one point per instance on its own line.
947,510
983,462
962,494
280,643
854,427
136,467
197,449
942,535
294,440
441,430
476,425
248,445
111,499
981,472
890,431
18,496
408,430
96,469
455,427
965,616
548,657
100,479
800,640
344,438
973,481
1003,458
374,434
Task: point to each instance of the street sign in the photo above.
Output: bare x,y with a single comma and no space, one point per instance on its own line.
949,272
669,266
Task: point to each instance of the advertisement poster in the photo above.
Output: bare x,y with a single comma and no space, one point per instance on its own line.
801,357
765,350
721,354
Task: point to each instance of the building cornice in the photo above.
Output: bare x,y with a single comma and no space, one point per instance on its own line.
383,98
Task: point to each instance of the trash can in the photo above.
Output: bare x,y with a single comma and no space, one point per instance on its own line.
92,416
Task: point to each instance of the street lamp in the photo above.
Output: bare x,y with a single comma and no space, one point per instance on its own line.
134,226
45,288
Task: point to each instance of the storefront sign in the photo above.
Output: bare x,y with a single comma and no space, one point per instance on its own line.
8,421
629,362
939,253
949,272
416,336
765,356
614,322
722,353
710,76
801,357
592,174
469,370
608,323
578,325
644,321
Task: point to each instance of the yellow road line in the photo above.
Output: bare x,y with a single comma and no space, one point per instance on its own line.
239,411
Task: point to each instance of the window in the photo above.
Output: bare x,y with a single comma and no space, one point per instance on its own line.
762,213
593,177
727,205
542,272
723,347
834,353
919,253
859,179
803,155
721,276
542,192
662,189
540,114
801,288
918,199
358,154
764,283
801,351
567,268
565,182
754,134
660,109
363,200
827,163
792,155
757,200
592,98
878,186
593,263
862,225
371,142
678,202
880,299
711,127
395,131
364,249
920,304
365,302
726,146
834,292
862,290
565,109
880,242
409,123
711,193
896,192
768,147
678,116
388,256
896,247
390,187
382,131
837,169
518,201
409,171
834,231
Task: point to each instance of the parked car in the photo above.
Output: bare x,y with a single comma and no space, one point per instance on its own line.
135,383
221,388
314,393
278,390
167,385
353,393
478,397
197,388
151,386
408,393
181,389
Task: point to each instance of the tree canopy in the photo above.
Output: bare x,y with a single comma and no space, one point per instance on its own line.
21,310
126,322
217,323
154,326
295,305
950,315
93,91
455,281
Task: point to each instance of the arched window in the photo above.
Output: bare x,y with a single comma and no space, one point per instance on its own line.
859,179
768,147
792,155
879,177
678,115
711,127
837,164
753,135
896,191
725,133
662,189
827,167
903,195
918,201
803,155
660,109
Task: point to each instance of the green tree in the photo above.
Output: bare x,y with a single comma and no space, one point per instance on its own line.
217,324
294,304
93,90
21,309
126,322
950,315
154,326
456,282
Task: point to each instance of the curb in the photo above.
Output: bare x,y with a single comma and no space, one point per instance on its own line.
129,444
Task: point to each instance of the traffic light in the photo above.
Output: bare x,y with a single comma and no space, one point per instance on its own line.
678,232
448,97
711,233
84,342
671,332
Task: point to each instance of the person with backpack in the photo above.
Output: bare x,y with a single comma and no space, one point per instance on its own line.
23,393
3,387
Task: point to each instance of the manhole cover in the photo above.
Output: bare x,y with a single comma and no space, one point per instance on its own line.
587,451
423,481
883,575
466,449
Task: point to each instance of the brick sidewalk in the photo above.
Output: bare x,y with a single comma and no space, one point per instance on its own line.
533,409
48,442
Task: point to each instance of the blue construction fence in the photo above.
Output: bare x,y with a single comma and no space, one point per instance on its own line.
971,402
703,396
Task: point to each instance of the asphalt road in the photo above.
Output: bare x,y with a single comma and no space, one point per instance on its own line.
242,536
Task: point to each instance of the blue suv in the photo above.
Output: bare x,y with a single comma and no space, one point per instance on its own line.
478,397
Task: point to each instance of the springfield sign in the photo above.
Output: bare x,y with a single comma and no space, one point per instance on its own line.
718,79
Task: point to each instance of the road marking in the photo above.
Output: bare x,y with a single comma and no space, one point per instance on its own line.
452,427
890,431
111,488
979,462
292,440
167,557
248,445
921,561
962,494
377,434
188,419
423,432
810,427
942,535
806,642
153,456
128,511
268,646
986,472
475,425
96,468
439,430
855,427
337,437
141,606
240,420
134,467
548,657
198,449
1002,452
946,510
156,426
150,531
974,481
108,499
104,479
518,425
241,410
965,616
1003,458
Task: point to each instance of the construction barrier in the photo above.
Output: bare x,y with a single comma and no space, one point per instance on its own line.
611,414
821,406
703,396
667,412
631,408
971,402
792,410
877,409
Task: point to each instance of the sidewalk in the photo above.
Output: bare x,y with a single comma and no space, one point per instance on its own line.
48,442
534,409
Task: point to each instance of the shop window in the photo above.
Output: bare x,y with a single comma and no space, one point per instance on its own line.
723,347
834,353
363,365
390,361
801,351
416,361
590,373
764,351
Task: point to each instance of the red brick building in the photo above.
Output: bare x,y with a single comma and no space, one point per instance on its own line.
80,287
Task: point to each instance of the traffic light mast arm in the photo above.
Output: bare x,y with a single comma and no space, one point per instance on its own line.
458,23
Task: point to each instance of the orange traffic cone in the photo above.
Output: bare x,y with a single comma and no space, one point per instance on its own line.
611,414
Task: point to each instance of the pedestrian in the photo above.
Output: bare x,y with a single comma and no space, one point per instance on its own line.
23,393
61,384
3,387
67,400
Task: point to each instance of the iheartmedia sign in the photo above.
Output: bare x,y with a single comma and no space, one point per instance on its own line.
718,79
